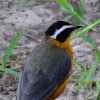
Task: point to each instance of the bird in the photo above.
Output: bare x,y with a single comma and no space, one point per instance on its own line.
49,65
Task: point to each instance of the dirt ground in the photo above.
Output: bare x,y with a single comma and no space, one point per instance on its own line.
35,20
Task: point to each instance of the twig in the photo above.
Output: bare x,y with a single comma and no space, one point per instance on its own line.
12,63
86,98
88,24
74,86
75,80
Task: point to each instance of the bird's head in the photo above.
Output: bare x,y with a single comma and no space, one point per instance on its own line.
60,31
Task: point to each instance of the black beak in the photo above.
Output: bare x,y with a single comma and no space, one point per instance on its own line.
76,27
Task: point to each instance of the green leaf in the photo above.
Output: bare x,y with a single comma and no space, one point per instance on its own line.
98,85
85,30
81,80
63,2
12,72
68,7
80,13
79,65
92,71
98,88
64,9
11,47
89,40
67,17
73,12
77,72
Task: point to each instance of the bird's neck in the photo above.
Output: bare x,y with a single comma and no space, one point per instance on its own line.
65,45
50,42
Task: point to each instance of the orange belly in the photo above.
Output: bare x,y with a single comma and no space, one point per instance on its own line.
64,84
59,90
61,87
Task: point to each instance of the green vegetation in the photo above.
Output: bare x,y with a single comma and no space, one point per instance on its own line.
7,55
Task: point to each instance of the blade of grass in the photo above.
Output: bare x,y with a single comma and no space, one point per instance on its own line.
64,9
97,84
77,72
12,72
11,47
79,65
81,80
80,12
89,40
92,71
63,2
98,88
85,30
87,23
72,11
67,6
67,17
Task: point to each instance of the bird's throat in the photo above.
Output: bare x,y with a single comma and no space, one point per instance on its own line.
64,44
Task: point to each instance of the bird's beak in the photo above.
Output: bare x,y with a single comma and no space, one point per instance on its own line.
76,27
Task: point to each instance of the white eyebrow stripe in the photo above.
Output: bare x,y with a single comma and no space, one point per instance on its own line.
60,30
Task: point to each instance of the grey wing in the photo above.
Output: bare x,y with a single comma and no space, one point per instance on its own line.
40,86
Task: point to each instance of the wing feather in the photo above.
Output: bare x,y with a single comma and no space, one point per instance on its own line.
39,85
